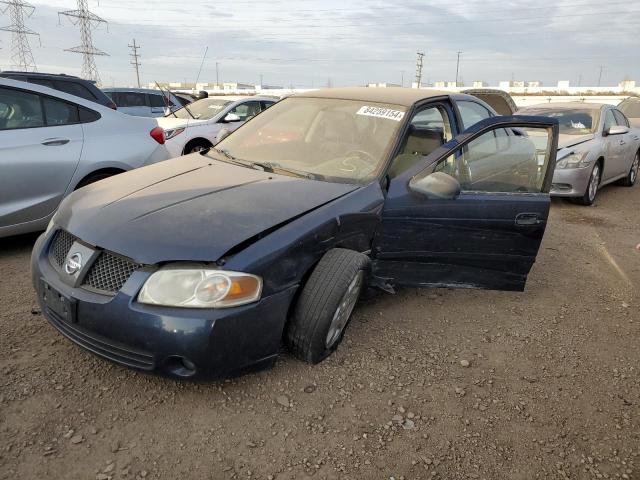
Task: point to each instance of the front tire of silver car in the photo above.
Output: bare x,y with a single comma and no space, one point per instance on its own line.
323,310
632,176
592,187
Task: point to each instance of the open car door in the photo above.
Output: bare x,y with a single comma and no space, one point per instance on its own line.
474,212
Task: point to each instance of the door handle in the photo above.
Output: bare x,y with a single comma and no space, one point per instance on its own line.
622,142
54,142
528,219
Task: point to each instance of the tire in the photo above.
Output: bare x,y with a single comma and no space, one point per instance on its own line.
197,146
632,176
94,178
592,187
323,310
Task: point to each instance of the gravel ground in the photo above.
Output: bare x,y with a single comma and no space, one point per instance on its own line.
449,384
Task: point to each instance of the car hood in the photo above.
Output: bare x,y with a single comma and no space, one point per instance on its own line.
565,141
172,122
191,208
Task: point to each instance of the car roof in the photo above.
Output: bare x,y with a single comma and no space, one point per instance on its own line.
566,106
34,87
394,95
60,76
133,90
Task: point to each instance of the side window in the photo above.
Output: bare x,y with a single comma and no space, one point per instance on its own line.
472,113
42,81
609,120
247,110
59,113
156,100
429,129
75,89
497,162
620,118
87,115
265,105
20,109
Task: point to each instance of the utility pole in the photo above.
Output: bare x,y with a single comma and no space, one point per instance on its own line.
458,67
217,77
402,78
260,80
87,21
419,69
580,80
135,58
600,76
21,55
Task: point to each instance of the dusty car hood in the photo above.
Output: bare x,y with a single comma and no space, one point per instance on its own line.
565,140
188,208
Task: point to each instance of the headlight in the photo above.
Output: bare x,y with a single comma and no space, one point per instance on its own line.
174,132
200,288
574,160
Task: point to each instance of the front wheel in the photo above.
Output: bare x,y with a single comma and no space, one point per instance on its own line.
592,187
323,311
632,176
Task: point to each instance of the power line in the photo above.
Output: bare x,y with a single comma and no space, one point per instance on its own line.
135,61
87,21
21,55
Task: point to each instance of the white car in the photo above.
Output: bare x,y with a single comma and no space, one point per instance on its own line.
52,143
196,126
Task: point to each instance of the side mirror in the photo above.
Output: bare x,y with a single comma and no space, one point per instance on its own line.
222,134
618,130
436,185
231,117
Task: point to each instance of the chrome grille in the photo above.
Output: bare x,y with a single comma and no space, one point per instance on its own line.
60,246
109,273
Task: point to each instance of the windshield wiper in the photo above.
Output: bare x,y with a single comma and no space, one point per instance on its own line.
276,167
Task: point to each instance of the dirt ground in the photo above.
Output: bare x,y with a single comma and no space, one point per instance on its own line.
449,384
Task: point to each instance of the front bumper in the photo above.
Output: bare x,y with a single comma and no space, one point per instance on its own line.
570,182
217,343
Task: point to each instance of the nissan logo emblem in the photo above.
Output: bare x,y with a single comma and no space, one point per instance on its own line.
73,264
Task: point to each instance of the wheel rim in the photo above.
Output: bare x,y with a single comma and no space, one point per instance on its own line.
344,310
634,168
593,183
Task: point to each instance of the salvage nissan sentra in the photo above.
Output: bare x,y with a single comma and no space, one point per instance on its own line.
203,265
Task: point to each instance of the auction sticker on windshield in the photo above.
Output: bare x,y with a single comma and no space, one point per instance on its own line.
381,112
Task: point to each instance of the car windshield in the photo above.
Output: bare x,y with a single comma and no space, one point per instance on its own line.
329,139
631,109
204,109
573,121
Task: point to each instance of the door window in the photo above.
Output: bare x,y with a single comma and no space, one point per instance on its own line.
429,129
20,109
620,118
265,105
471,113
157,100
247,110
500,162
58,113
609,120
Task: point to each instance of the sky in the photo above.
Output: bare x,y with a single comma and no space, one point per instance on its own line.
310,43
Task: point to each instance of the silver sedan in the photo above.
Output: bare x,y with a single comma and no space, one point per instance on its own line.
597,146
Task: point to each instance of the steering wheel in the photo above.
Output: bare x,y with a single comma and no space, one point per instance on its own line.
358,155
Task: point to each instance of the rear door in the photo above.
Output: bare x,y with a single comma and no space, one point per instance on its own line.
487,232
614,162
40,144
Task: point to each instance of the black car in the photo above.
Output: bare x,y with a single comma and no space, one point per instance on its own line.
65,83
203,265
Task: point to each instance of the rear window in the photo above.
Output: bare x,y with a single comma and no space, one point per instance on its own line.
156,100
75,89
130,99
57,112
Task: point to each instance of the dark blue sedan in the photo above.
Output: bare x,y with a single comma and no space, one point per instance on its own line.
204,265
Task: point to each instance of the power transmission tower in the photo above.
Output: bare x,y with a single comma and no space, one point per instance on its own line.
419,69
87,21
135,58
21,56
